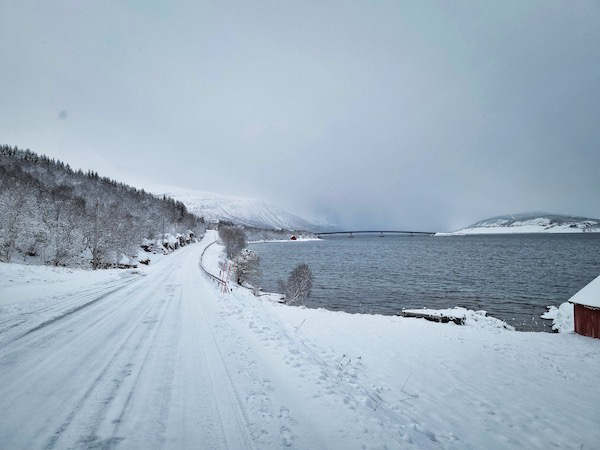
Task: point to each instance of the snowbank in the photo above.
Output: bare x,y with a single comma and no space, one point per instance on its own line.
562,317
22,286
467,317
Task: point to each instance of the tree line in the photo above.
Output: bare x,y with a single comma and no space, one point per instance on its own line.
60,216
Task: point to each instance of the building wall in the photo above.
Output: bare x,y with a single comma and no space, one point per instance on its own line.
587,321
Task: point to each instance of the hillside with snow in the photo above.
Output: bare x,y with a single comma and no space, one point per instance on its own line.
241,210
534,222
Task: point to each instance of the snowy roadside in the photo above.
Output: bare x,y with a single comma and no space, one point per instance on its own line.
27,282
32,295
408,381
24,286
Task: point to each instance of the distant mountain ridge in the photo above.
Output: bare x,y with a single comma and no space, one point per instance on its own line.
531,222
240,210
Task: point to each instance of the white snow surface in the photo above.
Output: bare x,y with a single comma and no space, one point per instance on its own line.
160,358
529,223
472,318
241,210
589,295
563,320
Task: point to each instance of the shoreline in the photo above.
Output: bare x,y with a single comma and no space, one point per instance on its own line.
270,241
457,315
509,231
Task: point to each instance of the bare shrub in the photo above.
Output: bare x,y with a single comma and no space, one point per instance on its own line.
233,238
247,268
281,286
299,284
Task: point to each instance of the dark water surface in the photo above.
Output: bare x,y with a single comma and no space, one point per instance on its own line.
512,277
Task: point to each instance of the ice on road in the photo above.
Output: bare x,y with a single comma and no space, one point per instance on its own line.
160,358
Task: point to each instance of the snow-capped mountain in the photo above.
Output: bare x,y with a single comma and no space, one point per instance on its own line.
533,222
245,211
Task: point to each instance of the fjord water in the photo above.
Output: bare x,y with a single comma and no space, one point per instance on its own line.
512,277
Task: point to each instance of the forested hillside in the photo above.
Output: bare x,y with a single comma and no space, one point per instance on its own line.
56,215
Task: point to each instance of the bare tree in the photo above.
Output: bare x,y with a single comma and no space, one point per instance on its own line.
233,238
247,267
299,284
11,220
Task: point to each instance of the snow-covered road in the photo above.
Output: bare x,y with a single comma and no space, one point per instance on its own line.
159,358
130,360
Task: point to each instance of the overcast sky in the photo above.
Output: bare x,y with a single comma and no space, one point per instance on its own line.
427,115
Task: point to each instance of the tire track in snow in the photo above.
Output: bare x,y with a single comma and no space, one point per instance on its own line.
136,358
67,313
166,377
145,346
234,420
97,415
241,418
58,307
133,284
93,386
58,329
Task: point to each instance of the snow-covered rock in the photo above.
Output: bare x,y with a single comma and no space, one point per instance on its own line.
468,317
535,222
562,317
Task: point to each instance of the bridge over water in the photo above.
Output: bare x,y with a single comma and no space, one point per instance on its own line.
377,232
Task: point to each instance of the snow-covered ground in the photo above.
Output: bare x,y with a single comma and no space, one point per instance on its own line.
159,358
529,223
562,317
467,316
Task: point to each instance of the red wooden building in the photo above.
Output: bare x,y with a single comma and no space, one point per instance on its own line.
587,309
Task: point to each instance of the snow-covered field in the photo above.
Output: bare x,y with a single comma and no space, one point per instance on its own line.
159,358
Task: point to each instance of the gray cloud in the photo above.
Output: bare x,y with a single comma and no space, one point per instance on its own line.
387,113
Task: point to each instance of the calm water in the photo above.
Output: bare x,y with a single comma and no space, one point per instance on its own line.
511,277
